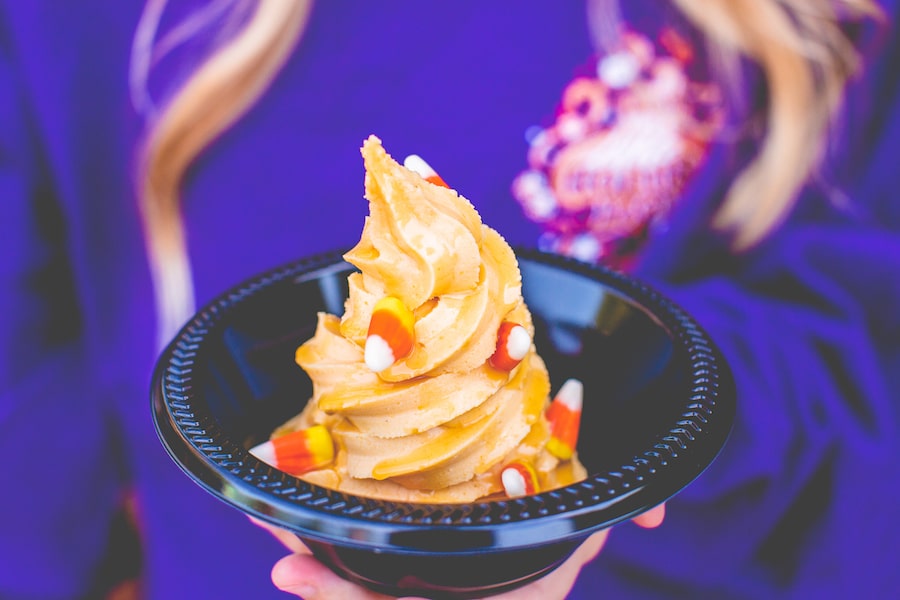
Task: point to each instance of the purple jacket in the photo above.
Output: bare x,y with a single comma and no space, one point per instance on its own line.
799,505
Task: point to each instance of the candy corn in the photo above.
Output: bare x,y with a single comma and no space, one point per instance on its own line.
519,479
417,164
299,451
391,335
564,415
513,343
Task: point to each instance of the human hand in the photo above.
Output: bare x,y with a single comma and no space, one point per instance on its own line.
304,576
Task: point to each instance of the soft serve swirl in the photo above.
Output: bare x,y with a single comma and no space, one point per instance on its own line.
440,423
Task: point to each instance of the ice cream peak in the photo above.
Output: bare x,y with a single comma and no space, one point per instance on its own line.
442,415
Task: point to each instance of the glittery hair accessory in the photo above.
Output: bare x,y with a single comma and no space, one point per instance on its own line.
625,139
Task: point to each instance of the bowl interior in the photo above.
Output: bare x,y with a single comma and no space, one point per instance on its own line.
621,352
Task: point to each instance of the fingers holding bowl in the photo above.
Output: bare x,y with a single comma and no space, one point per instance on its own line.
652,518
306,577
288,539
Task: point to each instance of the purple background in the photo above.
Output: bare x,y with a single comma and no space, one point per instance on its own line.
801,504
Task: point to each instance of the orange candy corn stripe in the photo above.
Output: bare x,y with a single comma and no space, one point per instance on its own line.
391,334
519,479
299,451
513,342
564,416
417,164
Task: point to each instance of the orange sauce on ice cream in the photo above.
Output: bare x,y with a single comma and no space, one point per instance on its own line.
440,423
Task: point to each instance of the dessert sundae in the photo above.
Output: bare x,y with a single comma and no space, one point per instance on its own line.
428,388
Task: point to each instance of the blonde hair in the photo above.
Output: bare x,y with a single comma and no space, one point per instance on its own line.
219,92
806,60
804,55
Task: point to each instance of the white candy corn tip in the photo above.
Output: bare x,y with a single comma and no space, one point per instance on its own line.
417,164
513,483
518,343
265,452
379,355
571,394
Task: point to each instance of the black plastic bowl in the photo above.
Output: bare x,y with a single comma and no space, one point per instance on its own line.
659,405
